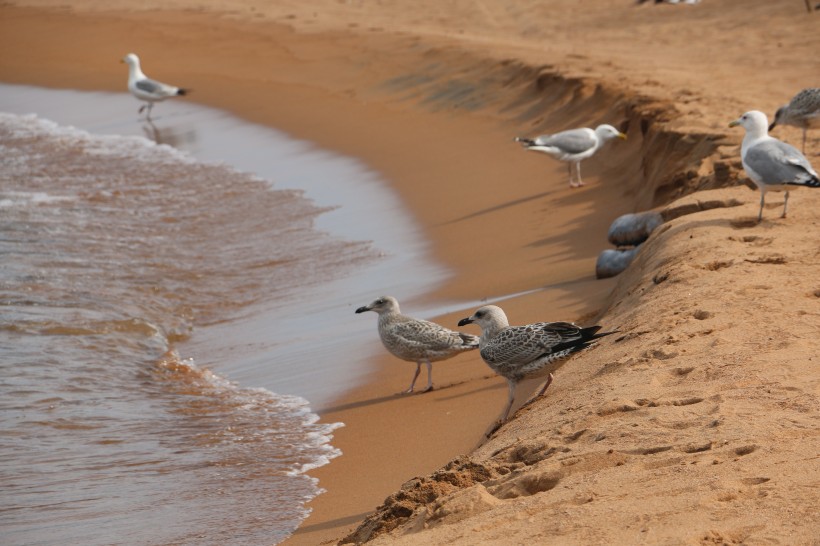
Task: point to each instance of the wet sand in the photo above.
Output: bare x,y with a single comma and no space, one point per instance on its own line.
433,108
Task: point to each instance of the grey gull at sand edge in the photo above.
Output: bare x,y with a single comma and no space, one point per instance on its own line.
572,146
772,164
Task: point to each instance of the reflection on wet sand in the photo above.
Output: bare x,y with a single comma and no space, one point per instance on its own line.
176,137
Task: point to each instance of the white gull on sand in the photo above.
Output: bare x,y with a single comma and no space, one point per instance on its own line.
772,164
415,340
523,352
146,89
572,146
802,111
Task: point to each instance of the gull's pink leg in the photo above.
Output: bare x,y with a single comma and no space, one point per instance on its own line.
429,386
510,400
413,382
547,384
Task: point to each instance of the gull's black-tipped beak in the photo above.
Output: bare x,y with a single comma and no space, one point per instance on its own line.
465,321
363,309
773,125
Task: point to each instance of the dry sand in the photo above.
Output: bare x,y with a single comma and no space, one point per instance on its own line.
699,423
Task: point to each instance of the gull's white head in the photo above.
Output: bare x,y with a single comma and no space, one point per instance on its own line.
131,60
754,122
384,304
490,318
608,132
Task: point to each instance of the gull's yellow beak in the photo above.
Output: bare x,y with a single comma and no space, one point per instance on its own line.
622,136
734,123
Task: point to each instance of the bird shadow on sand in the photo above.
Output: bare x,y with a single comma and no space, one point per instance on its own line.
362,403
496,208
331,524
456,396
397,396
575,197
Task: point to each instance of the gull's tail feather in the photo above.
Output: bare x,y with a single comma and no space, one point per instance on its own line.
591,333
812,182
182,92
525,141
469,341
588,337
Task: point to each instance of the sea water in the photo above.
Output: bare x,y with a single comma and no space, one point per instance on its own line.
174,297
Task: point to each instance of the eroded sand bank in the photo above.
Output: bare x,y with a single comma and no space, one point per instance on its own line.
707,402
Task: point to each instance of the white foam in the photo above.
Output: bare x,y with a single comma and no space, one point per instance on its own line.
320,461
18,198
316,438
135,147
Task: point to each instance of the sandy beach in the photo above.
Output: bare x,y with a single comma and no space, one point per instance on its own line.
707,400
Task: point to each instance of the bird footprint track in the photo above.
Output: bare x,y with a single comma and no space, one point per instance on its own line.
753,240
622,406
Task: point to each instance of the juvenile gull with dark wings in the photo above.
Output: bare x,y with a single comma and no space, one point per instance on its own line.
416,340
524,352
802,111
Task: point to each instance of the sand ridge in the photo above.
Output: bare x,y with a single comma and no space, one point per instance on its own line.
698,425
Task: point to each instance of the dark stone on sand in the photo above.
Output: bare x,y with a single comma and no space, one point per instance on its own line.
633,229
612,262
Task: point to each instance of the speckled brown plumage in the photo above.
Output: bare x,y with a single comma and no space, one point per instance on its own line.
530,351
416,340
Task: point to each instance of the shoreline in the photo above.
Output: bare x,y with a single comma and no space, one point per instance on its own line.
438,142
209,135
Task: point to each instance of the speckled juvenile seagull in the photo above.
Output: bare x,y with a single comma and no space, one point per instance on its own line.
524,352
772,164
417,340
146,89
572,146
802,111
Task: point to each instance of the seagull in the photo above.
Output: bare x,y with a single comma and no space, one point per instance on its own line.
772,164
802,111
572,146
417,340
524,352
145,88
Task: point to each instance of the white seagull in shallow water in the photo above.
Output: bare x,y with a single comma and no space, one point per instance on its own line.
772,164
417,340
802,111
572,146
524,352
146,89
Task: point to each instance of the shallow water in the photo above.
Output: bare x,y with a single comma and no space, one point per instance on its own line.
166,319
